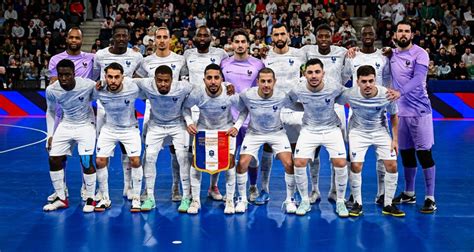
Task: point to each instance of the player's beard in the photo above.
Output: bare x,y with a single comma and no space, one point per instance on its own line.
203,46
74,48
280,45
403,44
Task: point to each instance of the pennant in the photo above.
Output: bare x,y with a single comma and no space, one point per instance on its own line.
211,151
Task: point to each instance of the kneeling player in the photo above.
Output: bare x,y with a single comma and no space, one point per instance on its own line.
368,126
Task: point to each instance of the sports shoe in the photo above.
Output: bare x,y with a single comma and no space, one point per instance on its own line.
54,195
428,207
136,208
356,210
315,197
341,209
393,211
148,204
184,206
350,202
56,204
98,196
103,205
229,207
241,205
263,198
214,193
380,200
89,206
403,198
303,208
289,207
175,193
144,196
83,192
332,197
253,193
194,207
130,194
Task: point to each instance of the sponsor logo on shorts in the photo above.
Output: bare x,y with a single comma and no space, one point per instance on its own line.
133,151
297,151
393,155
354,154
340,153
287,147
244,147
87,150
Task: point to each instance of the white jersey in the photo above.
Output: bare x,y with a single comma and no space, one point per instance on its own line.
196,62
130,62
151,62
215,112
264,113
368,114
319,114
75,104
379,62
334,63
286,66
166,109
120,107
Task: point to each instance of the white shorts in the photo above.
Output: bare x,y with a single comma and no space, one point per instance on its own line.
156,136
108,138
252,142
292,120
360,141
331,139
67,134
232,142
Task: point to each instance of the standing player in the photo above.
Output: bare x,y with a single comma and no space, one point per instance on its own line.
369,55
333,58
285,61
196,61
163,56
242,70
74,95
166,120
83,63
321,127
130,61
264,105
121,125
368,126
214,114
409,65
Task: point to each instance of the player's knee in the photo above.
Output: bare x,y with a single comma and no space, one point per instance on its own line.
287,164
425,157
267,148
391,166
253,162
135,162
356,167
86,163
101,162
56,163
408,157
300,162
339,162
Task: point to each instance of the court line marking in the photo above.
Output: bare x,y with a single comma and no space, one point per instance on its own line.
25,145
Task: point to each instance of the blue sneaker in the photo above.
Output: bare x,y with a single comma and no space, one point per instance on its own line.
263,198
297,197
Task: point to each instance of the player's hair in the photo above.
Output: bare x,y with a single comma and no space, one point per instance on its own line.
367,26
163,28
120,26
164,69
264,71
314,61
404,22
213,66
365,70
74,28
240,32
279,25
324,27
114,66
65,63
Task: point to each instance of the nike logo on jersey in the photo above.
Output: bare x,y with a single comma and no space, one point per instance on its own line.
356,66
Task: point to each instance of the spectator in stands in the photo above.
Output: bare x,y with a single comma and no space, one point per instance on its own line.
308,35
54,7
444,71
250,8
442,56
59,24
454,57
107,24
464,29
460,71
342,13
296,39
432,71
10,14
296,24
468,57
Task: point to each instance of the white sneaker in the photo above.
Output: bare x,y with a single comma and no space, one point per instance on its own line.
229,207
175,194
103,205
341,209
98,196
54,195
194,207
241,206
136,205
214,193
303,208
289,207
89,206
253,193
56,204
315,196
83,191
144,196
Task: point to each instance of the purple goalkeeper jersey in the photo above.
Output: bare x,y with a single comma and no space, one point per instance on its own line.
409,70
83,63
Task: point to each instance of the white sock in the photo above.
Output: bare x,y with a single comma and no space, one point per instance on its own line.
103,180
90,182
380,177
242,185
410,193
391,180
356,186
341,182
301,179
149,170
184,173
266,169
175,169
127,171
430,197
214,179
314,171
57,178
230,183
332,188
290,186
195,183
137,176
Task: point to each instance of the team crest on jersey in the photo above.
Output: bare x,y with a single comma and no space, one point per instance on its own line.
128,62
407,62
127,102
244,147
297,150
275,108
213,60
81,99
354,154
377,65
333,59
327,101
223,107
175,99
291,62
173,66
84,64
249,72
378,108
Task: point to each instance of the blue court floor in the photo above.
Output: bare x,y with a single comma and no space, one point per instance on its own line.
25,184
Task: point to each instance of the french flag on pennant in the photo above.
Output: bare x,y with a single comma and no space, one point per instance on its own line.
211,151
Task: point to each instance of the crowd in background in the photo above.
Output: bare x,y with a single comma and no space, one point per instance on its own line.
32,31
